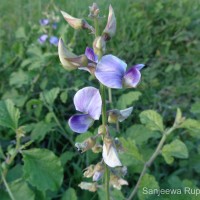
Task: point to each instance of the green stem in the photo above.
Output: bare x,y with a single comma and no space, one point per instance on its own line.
104,116
7,187
151,160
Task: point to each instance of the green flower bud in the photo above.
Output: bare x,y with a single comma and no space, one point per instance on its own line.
99,45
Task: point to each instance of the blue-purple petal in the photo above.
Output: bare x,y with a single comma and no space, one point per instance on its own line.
110,71
54,40
80,123
42,39
88,100
139,66
89,52
44,22
132,77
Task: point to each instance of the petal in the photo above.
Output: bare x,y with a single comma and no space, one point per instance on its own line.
125,114
80,123
88,100
90,54
63,54
54,40
111,157
139,66
97,175
110,71
132,77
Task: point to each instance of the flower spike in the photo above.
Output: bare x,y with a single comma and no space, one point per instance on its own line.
88,101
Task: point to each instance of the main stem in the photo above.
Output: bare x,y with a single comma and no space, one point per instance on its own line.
151,160
104,117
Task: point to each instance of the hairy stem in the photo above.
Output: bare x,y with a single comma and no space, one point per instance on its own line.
151,160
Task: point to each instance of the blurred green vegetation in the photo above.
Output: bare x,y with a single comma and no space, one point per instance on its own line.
163,34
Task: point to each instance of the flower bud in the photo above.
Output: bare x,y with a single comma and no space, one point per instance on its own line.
110,29
86,145
92,187
76,23
102,130
98,171
97,148
63,54
117,182
94,10
118,115
89,171
99,45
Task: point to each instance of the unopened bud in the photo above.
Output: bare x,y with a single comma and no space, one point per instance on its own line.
79,61
94,10
110,29
86,145
64,54
99,45
92,187
119,115
102,130
76,23
98,171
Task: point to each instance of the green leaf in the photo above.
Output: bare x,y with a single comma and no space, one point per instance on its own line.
152,120
193,127
175,149
64,96
114,194
131,149
82,137
195,108
20,33
66,156
49,96
40,130
127,99
42,169
21,190
9,115
148,182
69,194
140,133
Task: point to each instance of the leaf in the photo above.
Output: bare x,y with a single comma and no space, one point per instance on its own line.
19,78
127,99
175,149
148,182
66,156
9,115
193,127
114,194
21,190
64,96
82,137
49,96
20,33
152,120
195,108
69,194
40,130
140,133
131,149
42,169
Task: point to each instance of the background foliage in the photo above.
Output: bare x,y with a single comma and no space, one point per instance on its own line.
36,93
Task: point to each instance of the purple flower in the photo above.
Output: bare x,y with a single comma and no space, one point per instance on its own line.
111,71
89,52
88,101
42,38
54,25
54,40
44,22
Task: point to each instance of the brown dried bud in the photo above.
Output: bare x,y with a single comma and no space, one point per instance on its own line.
97,148
86,145
92,187
89,171
117,182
